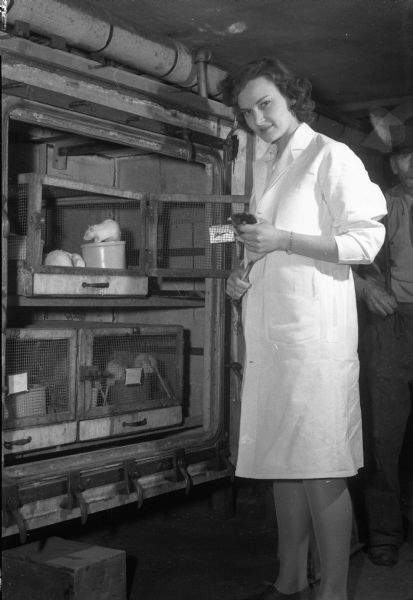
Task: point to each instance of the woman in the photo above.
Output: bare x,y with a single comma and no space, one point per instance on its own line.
317,214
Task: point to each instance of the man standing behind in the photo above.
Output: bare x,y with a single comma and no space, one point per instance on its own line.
386,287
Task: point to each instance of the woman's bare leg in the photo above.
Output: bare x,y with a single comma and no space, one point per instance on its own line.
331,511
294,525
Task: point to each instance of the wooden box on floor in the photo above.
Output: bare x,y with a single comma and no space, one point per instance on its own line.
58,569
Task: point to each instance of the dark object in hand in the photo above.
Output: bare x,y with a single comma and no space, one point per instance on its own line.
242,219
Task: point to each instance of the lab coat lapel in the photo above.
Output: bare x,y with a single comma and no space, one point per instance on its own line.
267,172
280,167
298,142
260,171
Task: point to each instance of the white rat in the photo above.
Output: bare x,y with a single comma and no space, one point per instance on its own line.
77,260
107,231
116,370
61,258
58,258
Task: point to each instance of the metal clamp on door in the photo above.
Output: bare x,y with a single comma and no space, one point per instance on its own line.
181,469
132,480
11,505
88,372
75,488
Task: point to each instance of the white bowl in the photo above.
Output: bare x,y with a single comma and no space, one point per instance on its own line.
104,255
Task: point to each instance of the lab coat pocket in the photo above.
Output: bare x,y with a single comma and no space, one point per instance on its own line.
292,318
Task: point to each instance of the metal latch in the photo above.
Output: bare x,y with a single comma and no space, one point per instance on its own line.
75,498
186,134
36,220
232,142
132,480
21,29
181,470
11,505
88,372
58,42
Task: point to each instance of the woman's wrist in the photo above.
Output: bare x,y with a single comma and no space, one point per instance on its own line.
312,246
285,241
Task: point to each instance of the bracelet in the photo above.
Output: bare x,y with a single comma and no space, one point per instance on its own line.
290,244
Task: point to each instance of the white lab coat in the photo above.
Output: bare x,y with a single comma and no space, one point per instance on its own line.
300,412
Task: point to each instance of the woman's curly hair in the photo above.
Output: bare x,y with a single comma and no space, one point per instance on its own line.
294,89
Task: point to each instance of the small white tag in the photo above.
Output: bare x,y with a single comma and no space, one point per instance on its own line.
133,376
17,383
221,233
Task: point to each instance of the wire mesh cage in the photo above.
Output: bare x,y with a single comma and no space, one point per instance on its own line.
42,367
135,370
17,208
66,215
169,235
66,209
195,236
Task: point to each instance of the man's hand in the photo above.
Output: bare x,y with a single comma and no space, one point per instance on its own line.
378,300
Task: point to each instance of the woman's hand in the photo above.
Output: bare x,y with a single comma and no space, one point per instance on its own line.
262,237
236,287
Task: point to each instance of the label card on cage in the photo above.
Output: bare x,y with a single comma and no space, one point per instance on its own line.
17,383
221,233
134,376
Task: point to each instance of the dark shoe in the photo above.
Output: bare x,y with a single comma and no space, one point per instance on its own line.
271,593
386,555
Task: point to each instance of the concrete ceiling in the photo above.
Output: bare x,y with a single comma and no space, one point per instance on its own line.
357,53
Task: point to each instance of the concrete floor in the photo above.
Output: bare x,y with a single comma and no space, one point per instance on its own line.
180,548
186,548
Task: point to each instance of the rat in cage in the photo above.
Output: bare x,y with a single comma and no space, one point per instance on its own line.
114,372
62,258
120,382
106,231
116,389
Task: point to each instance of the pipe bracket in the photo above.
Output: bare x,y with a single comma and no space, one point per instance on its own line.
201,61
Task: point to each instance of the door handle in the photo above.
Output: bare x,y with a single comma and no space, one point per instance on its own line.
21,442
104,284
135,423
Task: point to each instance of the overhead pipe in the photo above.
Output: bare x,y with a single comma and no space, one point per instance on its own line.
94,30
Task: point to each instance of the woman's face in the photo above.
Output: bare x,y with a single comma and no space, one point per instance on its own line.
266,110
